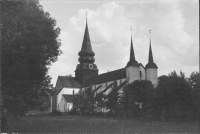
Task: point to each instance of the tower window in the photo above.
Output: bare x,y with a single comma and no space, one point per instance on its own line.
140,74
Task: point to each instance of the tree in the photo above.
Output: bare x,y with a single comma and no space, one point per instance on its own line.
29,45
137,96
85,101
112,99
99,102
173,96
194,83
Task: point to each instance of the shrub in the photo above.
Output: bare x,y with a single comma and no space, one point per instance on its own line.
55,113
73,112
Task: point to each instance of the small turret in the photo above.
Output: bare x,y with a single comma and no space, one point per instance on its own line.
150,63
132,61
132,67
151,68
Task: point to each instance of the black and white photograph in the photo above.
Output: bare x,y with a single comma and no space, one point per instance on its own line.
102,66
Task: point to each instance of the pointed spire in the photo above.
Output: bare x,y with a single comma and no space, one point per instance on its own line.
150,54
150,63
132,54
86,49
132,61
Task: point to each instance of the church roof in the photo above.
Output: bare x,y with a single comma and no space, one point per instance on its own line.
86,49
68,98
68,81
132,61
107,77
150,63
53,92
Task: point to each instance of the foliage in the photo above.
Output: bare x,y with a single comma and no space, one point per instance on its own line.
99,101
85,102
29,44
112,100
173,97
176,98
194,83
137,96
55,113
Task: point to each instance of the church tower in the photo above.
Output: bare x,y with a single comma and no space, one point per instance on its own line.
86,68
151,68
132,67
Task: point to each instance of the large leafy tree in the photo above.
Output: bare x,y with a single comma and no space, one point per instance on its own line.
29,45
194,83
173,96
137,96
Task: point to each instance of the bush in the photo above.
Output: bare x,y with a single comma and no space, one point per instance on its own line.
73,112
4,123
55,113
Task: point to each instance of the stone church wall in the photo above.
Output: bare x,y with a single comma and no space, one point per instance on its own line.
132,73
151,75
143,74
66,91
54,97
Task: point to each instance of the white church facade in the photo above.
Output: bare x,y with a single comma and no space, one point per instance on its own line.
86,75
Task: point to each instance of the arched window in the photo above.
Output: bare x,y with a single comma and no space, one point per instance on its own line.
140,74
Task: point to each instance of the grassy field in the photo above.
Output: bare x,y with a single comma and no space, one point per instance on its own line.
76,124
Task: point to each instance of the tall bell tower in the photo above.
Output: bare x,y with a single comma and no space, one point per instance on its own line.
86,68
132,67
151,67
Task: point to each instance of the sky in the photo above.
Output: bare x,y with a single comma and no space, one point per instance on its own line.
174,26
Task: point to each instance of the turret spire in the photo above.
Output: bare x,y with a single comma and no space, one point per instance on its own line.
150,54
132,61
150,51
86,49
86,69
150,63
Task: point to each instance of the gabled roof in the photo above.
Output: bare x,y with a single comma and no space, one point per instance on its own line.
53,92
68,81
68,98
107,77
141,65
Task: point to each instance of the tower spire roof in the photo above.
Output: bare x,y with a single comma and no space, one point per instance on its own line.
86,49
150,54
132,61
150,63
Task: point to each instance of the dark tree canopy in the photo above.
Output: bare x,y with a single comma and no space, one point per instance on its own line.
194,83
30,44
176,98
137,96
173,97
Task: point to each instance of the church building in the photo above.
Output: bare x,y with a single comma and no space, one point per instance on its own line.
86,75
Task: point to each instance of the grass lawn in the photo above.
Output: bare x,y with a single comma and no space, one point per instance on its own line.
77,124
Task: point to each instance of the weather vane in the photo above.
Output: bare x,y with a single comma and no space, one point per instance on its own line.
86,14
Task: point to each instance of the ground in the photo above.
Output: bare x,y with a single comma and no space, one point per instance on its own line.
77,124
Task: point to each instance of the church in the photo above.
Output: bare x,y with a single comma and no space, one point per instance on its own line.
86,75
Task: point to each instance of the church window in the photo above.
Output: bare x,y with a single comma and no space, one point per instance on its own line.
140,74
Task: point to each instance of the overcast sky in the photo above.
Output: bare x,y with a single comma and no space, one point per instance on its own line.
174,36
